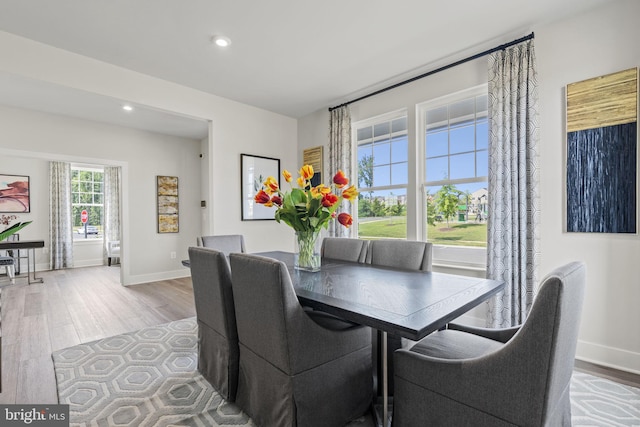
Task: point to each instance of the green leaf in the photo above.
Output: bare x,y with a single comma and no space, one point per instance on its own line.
13,229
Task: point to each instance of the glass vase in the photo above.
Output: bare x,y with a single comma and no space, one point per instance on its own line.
307,251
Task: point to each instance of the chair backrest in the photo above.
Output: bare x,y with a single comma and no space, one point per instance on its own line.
354,250
225,243
211,277
113,248
544,347
267,309
404,254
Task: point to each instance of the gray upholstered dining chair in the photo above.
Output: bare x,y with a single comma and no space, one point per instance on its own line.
520,376
354,250
405,254
294,371
218,353
226,243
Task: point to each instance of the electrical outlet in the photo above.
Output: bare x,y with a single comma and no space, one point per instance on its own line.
173,255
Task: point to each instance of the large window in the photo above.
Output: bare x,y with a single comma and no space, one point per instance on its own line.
87,187
455,138
382,176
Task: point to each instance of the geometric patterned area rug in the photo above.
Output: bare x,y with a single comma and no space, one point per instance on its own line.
149,378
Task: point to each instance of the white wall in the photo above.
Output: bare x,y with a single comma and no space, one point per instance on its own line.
596,43
589,45
235,128
42,137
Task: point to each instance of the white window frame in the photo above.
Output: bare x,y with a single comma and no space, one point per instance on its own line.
386,117
93,168
465,257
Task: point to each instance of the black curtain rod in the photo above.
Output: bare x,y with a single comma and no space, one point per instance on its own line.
446,67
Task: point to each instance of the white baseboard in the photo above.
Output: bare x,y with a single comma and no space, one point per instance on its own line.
610,357
155,277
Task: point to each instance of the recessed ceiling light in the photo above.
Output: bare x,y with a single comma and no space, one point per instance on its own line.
127,108
221,41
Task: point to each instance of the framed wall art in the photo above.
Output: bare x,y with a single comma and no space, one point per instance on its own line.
602,116
14,193
168,207
314,157
253,172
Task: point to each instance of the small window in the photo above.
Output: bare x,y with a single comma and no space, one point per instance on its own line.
87,194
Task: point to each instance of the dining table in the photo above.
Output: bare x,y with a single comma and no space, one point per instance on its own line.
407,303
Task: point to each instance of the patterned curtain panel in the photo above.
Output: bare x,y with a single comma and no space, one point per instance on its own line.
112,178
60,224
512,240
340,158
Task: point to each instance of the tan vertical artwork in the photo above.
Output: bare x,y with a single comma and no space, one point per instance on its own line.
168,207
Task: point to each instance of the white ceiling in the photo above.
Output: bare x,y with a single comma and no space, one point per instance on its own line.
288,56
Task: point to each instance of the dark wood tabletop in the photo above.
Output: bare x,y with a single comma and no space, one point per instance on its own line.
411,304
21,244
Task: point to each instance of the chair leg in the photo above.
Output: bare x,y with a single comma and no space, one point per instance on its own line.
109,262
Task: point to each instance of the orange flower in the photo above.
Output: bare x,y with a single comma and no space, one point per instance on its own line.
329,200
271,184
287,175
340,180
319,190
262,197
350,193
345,219
301,182
306,172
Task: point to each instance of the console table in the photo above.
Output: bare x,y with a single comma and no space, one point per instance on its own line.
30,246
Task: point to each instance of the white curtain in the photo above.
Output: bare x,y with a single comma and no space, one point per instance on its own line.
512,240
112,179
340,159
60,211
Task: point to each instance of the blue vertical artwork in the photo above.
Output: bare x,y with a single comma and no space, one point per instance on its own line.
602,154
601,179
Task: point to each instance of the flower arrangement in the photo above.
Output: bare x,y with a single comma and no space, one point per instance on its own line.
6,220
307,209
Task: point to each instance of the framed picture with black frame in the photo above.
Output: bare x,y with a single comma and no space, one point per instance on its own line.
254,170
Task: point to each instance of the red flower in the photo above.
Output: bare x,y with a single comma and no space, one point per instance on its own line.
329,200
345,219
276,200
262,197
340,180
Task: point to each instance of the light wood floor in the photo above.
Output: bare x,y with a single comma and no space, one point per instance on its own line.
71,307
85,304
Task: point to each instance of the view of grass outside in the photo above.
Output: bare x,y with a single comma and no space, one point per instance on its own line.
469,233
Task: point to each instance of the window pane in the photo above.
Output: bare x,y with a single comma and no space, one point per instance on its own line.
437,144
381,154
482,135
399,173
381,176
462,139
365,133
364,150
463,166
437,118
399,125
462,112
482,163
381,129
399,147
382,214
461,223
437,169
